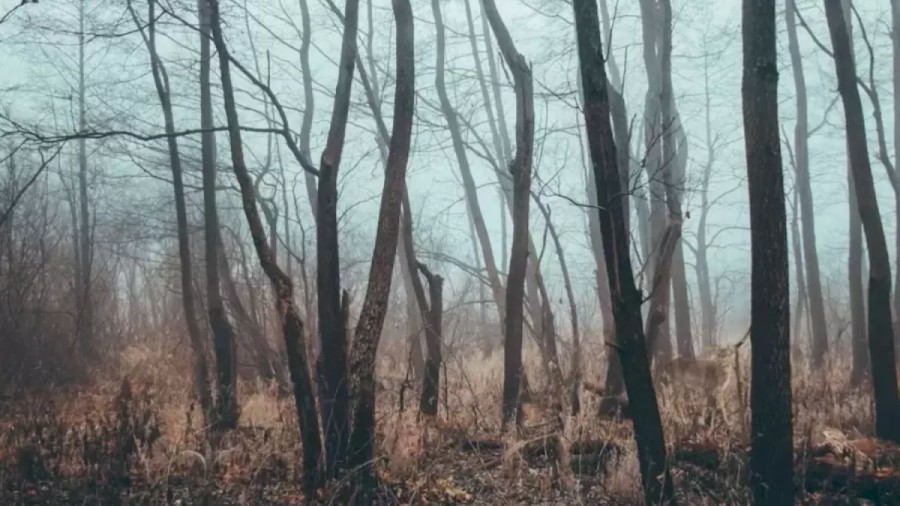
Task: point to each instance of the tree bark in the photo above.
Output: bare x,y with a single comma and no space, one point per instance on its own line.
520,168
819,337
374,308
222,333
880,325
292,324
771,444
161,82
626,299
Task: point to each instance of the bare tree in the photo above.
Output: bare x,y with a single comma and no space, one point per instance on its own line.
626,299
880,326
819,335
161,82
292,324
520,168
222,332
371,319
332,365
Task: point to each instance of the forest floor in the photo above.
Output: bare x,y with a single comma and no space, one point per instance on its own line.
93,445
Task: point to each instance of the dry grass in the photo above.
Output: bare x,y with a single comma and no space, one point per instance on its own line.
87,446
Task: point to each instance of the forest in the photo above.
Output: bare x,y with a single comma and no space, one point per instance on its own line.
409,252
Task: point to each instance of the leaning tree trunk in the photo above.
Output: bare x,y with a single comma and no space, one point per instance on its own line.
819,337
771,444
222,333
520,171
880,326
626,299
292,324
161,82
374,308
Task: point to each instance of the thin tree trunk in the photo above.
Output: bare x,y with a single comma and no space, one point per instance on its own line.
819,337
374,308
573,310
520,168
880,326
86,313
656,166
895,45
675,159
859,334
332,367
802,299
292,325
626,299
161,82
309,103
469,186
771,444
222,333
704,286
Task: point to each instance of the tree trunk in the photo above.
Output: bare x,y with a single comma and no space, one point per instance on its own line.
222,333
576,379
614,384
469,186
674,172
626,299
292,325
819,337
86,336
802,299
520,171
895,45
771,444
374,308
161,82
708,325
332,366
656,165
859,334
880,326
432,312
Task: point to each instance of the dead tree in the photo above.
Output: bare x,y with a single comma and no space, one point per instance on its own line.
626,299
880,326
161,82
292,324
432,313
771,444
819,335
371,318
520,172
